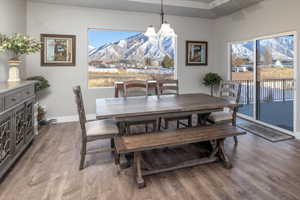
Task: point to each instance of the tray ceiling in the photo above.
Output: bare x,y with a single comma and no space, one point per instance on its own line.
191,8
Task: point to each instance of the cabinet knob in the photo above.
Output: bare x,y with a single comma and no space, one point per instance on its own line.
13,99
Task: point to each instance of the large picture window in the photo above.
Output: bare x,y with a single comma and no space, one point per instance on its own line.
115,56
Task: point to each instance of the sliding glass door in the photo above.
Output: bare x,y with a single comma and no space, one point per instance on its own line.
265,69
242,71
275,81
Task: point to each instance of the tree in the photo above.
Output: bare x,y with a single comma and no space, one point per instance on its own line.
168,62
237,61
148,61
268,57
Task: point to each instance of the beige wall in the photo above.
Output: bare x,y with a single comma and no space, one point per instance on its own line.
266,18
12,20
56,19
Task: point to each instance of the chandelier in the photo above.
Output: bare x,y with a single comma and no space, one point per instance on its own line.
165,29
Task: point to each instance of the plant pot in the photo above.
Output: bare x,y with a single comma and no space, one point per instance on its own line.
14,72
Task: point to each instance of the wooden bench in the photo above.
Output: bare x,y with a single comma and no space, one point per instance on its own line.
139,143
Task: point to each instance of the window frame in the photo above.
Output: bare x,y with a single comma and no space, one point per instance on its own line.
121,30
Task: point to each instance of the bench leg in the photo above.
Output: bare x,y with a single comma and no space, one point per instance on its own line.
138,170
117,162
222,154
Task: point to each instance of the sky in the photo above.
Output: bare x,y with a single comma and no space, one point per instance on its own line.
98,38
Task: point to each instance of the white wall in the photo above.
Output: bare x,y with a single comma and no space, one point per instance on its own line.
12,20
266,18
57,19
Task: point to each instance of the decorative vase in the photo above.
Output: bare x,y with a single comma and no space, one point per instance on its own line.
14,72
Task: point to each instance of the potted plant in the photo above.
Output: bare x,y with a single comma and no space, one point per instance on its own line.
211,80
17,45
40,112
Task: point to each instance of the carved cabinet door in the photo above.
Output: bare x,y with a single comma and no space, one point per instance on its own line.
20,127
6,140
29,120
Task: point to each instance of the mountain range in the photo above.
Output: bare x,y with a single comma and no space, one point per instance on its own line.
134,48
281,48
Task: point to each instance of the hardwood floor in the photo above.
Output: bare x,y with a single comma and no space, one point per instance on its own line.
49,171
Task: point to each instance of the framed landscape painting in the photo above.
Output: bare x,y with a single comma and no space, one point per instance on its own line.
196,53
58,50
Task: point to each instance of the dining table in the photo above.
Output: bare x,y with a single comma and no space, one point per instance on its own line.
125,108
159,106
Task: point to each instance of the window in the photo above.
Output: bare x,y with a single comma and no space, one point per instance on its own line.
115,56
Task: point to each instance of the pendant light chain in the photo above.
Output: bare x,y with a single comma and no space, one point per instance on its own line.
162,12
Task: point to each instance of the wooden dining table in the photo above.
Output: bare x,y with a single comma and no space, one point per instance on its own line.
159,106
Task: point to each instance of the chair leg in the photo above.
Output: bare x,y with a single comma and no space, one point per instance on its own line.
190,121
112,143
146,128
159,123
154,126
178,124
166,124
83,153
235,140
128,129
201,120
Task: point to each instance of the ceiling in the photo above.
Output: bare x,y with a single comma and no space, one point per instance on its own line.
190,8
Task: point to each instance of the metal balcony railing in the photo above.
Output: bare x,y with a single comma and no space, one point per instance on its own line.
270,90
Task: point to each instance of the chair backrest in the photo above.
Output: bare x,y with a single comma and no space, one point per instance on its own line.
135,88
168,86
231,91
80,108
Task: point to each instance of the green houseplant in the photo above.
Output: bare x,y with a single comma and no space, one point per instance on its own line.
40,84
211,80
17,45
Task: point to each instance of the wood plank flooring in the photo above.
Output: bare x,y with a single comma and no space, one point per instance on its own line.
49,171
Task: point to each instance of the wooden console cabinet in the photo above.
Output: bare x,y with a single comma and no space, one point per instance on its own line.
16,121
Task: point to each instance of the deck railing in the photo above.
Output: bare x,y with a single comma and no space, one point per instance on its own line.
270,90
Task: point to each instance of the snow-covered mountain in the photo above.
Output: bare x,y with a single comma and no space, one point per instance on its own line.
91,49
137,48
281,48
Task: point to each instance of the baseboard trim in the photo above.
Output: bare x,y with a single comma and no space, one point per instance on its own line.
297,135
71,118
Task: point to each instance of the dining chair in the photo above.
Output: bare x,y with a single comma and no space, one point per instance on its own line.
230,91
93,130
171,87
132,89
